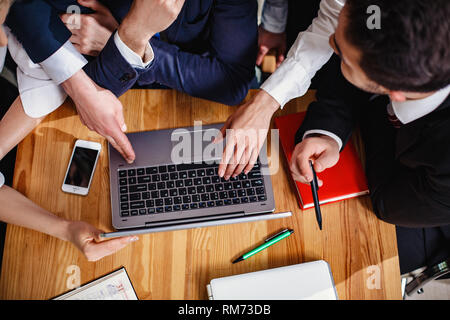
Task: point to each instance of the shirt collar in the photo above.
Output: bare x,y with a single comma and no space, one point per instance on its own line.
411,110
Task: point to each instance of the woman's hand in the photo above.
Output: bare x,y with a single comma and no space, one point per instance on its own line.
87,239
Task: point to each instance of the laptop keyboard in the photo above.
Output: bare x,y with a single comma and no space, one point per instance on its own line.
169,188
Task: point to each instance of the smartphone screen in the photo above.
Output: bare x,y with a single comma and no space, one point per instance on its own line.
81,168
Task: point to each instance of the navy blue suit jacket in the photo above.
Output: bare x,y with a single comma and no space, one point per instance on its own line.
209,51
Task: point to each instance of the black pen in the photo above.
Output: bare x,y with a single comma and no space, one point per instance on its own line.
315,188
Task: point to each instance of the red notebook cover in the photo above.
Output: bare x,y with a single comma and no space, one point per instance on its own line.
343,181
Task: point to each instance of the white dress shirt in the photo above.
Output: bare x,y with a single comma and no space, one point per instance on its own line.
2,180
132,57
309,53
405,111
39,84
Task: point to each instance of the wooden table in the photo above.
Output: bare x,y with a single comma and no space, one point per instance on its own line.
360,249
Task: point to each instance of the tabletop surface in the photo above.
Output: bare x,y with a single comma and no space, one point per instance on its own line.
360,249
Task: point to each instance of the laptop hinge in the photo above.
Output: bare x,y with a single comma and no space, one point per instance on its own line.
215,217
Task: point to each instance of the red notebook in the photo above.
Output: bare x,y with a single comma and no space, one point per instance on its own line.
343,181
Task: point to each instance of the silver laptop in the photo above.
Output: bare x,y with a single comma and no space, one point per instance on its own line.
173,184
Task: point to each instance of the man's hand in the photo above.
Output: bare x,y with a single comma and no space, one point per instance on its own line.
322,150
269,40
100,111
87,239
246,130
94,31
145,19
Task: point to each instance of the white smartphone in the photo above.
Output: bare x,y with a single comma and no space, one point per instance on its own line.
81,167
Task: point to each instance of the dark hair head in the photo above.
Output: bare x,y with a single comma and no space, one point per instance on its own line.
411,49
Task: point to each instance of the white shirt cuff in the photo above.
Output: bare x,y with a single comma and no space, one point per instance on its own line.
326,133
132,57
64,63
289,81
2,180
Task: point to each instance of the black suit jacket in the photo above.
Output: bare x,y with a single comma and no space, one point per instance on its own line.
408,168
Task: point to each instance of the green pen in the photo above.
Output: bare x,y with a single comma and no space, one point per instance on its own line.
267,243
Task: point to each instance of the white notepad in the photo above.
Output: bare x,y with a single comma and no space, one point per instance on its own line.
114,286
306,281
